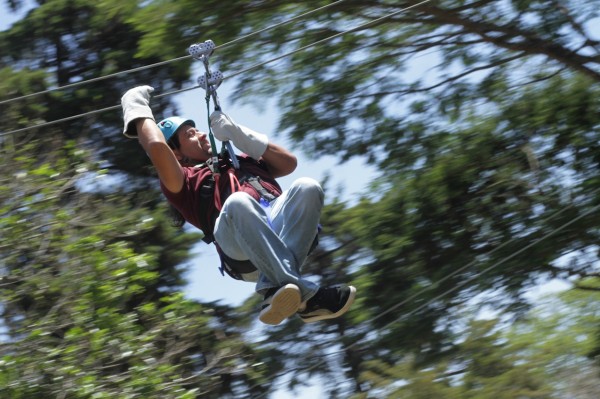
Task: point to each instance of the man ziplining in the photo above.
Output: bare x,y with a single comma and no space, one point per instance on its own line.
262,234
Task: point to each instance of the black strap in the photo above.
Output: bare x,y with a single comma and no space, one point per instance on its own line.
234,268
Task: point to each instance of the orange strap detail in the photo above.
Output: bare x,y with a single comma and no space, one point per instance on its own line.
234,185
217,193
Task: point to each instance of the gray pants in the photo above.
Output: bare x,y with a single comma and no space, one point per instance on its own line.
276,239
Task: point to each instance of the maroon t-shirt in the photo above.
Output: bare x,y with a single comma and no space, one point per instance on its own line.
196,202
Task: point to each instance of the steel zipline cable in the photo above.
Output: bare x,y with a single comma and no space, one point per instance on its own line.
255,66
456,287
117,74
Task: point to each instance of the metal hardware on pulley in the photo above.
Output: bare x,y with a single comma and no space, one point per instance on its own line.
210,81
202,50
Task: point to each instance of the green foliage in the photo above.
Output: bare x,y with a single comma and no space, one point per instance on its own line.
497,153
65,42
90,307
481,117
543,355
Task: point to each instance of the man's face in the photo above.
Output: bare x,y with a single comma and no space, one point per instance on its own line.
193,144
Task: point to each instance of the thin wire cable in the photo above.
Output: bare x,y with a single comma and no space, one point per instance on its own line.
97,111
112,75
281,23
464,282
362,26
116,74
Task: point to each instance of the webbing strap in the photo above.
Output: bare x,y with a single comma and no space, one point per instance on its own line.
214,165
255,183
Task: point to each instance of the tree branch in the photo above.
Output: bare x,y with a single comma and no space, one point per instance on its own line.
506,35
442,83
586,288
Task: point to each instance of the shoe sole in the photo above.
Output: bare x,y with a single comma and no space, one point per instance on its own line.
339,313
285,302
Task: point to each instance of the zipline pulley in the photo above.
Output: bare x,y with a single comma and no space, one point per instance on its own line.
210,81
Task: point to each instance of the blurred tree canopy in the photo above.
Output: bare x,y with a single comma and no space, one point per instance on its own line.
89,290
543,355
480,116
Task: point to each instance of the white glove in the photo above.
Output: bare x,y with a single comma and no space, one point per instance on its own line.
247,140
136,105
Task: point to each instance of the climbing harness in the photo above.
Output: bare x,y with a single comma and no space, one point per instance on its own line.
237,269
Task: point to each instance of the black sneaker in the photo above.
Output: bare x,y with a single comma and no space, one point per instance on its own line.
279,304
328,303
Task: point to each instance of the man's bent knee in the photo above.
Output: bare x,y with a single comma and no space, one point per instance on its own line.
238,201
309,187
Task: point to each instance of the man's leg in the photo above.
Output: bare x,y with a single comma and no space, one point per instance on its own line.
295,217
243,232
